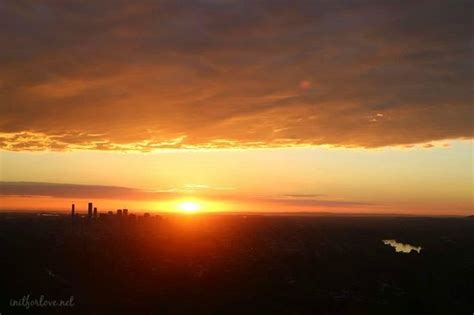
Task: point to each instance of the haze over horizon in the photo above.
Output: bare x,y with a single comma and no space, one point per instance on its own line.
333,106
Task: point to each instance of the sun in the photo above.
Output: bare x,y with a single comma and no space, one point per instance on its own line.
189,206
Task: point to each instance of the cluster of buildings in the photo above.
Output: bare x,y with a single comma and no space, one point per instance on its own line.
93,213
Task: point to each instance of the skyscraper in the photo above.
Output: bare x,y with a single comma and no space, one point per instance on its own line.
125,211
73,210
89,210
95,212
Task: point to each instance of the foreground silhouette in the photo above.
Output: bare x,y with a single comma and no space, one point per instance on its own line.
234,264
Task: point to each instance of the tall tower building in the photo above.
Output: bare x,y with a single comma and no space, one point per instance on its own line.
95,212
73,210
89,210
125,211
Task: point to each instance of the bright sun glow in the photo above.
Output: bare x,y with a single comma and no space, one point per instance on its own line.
189,206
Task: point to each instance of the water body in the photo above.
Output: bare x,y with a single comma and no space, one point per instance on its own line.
401,247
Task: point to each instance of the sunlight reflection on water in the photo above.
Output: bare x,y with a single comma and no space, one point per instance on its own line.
401,247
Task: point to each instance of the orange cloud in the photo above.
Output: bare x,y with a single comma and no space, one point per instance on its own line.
210,74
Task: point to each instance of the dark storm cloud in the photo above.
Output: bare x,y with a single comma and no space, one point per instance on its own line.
125,75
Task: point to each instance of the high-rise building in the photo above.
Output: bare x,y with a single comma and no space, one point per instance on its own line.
89,210
95,212
73,210
125,211
119,211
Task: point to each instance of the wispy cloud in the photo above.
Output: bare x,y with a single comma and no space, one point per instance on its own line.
73,191
59,190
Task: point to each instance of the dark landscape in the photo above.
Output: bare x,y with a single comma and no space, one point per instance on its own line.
237,264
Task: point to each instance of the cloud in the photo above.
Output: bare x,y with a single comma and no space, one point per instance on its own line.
311,202
72,191
59,190
303,196
121,75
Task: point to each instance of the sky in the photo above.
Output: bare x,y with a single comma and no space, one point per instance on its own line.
328,106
